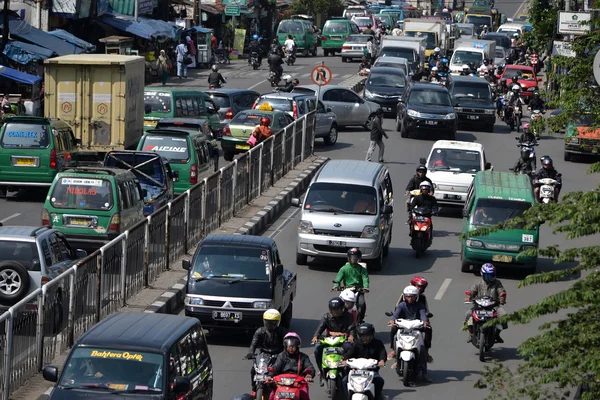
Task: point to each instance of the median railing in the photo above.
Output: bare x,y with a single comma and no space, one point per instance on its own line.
49,320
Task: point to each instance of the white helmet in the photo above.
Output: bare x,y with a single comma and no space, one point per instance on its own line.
215,68
348,295
411,291
516,87
425,184
287,78
437,50
465,66
434,69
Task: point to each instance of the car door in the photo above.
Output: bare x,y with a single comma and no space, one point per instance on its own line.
277,280
60,253
333,98
358,111
323,118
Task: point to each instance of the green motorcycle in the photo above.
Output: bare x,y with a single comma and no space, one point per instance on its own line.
332,363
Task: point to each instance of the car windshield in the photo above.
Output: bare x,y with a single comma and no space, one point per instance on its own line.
466,30
25,136
520,74
385,19
400,52
478,20
500,53
341,198
248,119
382,63
335,27
454,160
221,100
490,212
358,39
364,22
461,57
509,31
501,40
159,102
280,104
290,27
429,35
465,91
25,253
82,194
114,370
148,170
173,148
429,98
228,262
387,79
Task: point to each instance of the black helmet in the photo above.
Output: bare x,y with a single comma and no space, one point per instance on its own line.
365,329
547,161
354,255
422,168
336,304
7,109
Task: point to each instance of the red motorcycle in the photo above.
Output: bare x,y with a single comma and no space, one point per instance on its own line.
421,229
533,62
288,386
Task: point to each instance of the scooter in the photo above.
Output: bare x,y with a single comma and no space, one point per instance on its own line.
530,147
548,190
360,378
254,57
409,340
274,78
262,362
537,122
483,338
332,363
290,58
421,232
288,386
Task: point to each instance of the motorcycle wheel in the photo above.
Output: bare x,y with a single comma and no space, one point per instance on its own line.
259,394
405,374
333,387
419,247
481,346
255,66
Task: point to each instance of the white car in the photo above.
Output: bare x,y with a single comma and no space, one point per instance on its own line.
451,166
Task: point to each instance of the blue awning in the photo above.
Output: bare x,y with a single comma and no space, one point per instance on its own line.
22,30
200,29
19,76
24,53
70,38
146,28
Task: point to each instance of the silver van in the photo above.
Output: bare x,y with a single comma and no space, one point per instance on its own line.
348,204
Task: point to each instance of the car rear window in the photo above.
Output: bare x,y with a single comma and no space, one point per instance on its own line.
336,27
362,22
26,136
173,148
358,38
248,119
82,194
25,253
277,103
159,102
221,100
290,27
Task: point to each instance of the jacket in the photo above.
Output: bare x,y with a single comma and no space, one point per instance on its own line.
287,88
377,132
271,343
297,364
262,133
350,275
481,288
411,311
422,300
537,104
415,181
548,173
275,61
427,201
344,323
527,137
375,350
254,46
215,78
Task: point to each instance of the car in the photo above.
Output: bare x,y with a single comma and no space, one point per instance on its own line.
294,103
473,103
467,31
385,86
354,47
31,256
393,62
451,167
364,22
237,132
511,28
501,39
231,102
500,56
426,108
335,31
349,108
526,77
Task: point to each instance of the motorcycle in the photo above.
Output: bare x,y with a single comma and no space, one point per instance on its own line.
409,340
513,117
537,122
443,79
483,338
274,78
529,146
533,61
360,378
290,58
421,230
288,386
219,57
501,106
254,57
360,313
333,363
262,362
548,190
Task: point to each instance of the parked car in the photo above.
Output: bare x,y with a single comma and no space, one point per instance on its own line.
385,86
231,102
354,47
327,127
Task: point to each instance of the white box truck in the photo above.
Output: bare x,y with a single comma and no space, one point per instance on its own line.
413,49
469,51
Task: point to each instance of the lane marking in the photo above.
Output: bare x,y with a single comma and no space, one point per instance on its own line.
255,85
278,230
10,217
443,289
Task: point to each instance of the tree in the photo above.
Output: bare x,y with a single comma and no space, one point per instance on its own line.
314,7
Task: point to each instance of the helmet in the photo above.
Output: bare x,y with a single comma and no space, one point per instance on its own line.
419,281
354,253
437,50
425,185
444,60
514,78
244,396
411,291
422,168
215,68
465,66
255,37
434,69
536,93
7,109
488,272
265,121
516,88
515,35
292,339
543,158
366,329
287,78
336,304
348,296
275,41
547,161
271,319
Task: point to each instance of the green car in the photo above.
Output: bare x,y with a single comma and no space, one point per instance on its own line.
304,34
495,197
334,35
236,134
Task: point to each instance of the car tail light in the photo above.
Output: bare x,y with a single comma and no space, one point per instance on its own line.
45,280
226,131
194,174
295,110
229,114
115,223
323,38
346,47
45,217
53,161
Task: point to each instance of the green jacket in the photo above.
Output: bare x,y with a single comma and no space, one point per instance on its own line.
353,276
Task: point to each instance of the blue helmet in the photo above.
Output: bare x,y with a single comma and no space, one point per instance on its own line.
255,37
444,60
488,272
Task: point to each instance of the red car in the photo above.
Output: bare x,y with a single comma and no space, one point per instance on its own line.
525,76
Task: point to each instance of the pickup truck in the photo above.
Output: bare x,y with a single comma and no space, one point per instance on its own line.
234,279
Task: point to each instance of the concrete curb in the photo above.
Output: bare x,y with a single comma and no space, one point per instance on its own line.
172,299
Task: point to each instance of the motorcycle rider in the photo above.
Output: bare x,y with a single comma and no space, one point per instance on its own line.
444,67
367,346
434,57
414,184
514,100
426,200
290,46
411,309
488,285
267,339
337,322
288,86
525,164
292,361
254,46
275,48
349,299
528,136
215,78
276,63
466,70
434,77
547,171
536,102
352,274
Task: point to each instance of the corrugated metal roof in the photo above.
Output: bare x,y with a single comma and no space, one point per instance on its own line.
146,28
22,30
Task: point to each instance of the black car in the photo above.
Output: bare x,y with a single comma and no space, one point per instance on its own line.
385,86
426,108
231,102
473,104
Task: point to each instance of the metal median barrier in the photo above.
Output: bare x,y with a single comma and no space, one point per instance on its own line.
49,320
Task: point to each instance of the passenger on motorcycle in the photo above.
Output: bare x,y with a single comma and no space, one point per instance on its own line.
411,309
254,46
488,285
292,361
267,339
525,164
367,346
434,77
352,274
547,171
337,322
215,78
275,48
289,46
349,299
288,86
414,184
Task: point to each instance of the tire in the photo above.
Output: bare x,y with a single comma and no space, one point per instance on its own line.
325,52
405,374
228,156
376,264
482,346
314,52
259,394
368,122
301,259
288,316
333,388
567,157
465,266
14,282
403,132
398,124
491,129
3,191
332,138
386,248
344,59
255,67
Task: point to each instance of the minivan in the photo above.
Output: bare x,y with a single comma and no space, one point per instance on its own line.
137,355
495,197
348,204
335,33
303,32
32,151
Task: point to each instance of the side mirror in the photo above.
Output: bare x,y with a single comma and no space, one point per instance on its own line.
329,109
217,108
389,313
175,176
422,160
465,213
50,373
559,175
278,270
186,264
296,202
181,385
488,165
80,253
388,209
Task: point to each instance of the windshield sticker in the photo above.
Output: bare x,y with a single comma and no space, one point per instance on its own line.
125,355
264,256
82,191
196,275
21,134
84,182
344,194
527,238
166,148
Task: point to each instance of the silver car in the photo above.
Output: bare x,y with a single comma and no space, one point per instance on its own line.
354,47
499,57
393,62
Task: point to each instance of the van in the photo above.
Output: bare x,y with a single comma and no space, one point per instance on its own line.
189,152
511,28
348,204
32,151
303,32
92,206
335,33
179,103
295,104
142,355
495,197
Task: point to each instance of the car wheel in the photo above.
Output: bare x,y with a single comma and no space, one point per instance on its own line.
367,124
331,139
344,59
377,263
301,259
14,282
3,191
491,129
465,266
228,156
403,131
567,157
314,52
286,318
398,124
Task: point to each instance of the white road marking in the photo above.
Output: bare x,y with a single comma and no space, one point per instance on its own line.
10,217
255,85
443,289
285,221
519,10
345,76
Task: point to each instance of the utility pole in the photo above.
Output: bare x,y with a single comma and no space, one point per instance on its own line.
136,6
5,27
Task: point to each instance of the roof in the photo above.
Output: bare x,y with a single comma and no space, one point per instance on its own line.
230,239
94,59
22,30
455,144
506,185
182,121
146,28
469,79
495,34
283,95
23,232
173,130
19,76
387,70
24,53
94,171
137,330
70,38
521,67
348,171
392,60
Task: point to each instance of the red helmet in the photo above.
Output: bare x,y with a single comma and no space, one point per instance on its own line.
266,121
419,281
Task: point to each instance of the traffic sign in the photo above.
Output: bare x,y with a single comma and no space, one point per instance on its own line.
321,75
233,11
597,67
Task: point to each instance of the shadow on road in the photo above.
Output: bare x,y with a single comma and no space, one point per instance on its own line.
465,137
445,376
503,354
37,195
323,148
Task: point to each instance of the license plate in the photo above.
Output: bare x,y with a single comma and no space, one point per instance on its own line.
473,117
500,258
547,191
431,122
79,221
336,37
227,316
451,197
242,147
25,161
337,243
286,395
356,47
150,123
484,313
387,109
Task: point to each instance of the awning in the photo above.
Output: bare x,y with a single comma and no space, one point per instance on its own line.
211,9
22,30
146,28
18,76
70,38
24,53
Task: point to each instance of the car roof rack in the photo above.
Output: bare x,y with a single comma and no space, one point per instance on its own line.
94,170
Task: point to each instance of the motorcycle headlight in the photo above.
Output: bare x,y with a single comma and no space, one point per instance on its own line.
360,384
474,243
369,232
413,113
193,301
332,364
305,227
490,112
368,94
263,304
450,116
409,342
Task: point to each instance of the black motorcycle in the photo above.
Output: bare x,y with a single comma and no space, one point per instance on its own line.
484,310
274,77
254,60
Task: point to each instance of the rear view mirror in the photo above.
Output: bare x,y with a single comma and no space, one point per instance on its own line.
465,213
186,264
278,270
296,202
488,165
329,109
80,253
422,160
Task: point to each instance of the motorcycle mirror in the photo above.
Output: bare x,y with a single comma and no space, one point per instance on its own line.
429,315
389,313
516,138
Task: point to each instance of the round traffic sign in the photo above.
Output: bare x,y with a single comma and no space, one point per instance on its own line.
597,67
321,75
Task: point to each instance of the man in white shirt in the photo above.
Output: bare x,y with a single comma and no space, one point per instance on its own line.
289,45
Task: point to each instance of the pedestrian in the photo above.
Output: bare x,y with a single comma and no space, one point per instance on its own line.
163,64
377,134
192,51
181,52
370,50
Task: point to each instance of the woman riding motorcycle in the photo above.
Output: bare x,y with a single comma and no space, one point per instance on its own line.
292,361
349,299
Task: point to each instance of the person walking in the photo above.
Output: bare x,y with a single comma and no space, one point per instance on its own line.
192,51
163,64
377,134
181,52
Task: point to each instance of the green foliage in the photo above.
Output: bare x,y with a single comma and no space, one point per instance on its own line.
314,7
543,18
